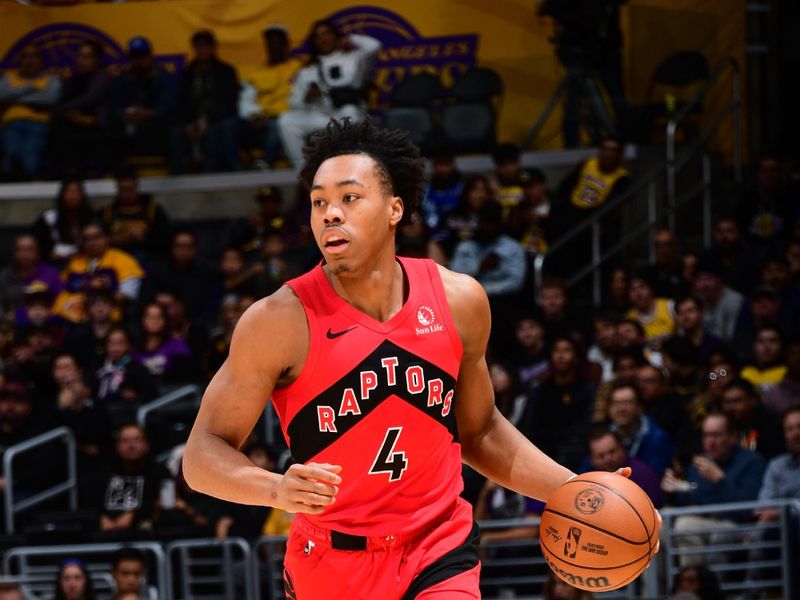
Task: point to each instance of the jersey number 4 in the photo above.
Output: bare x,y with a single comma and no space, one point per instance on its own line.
389,461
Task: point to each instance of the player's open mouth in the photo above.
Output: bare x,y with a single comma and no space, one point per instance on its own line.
333,241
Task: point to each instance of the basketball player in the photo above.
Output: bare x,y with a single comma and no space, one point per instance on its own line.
376,367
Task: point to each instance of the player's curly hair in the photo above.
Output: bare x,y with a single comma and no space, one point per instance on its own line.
400,165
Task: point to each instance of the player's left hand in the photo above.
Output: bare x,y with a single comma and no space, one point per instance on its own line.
624,471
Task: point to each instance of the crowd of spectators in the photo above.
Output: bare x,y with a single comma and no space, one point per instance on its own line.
689,371
206,117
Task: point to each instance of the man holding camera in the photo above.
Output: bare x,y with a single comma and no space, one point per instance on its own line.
332,84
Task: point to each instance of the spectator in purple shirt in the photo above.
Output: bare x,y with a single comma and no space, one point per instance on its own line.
26,268
167,357
607,453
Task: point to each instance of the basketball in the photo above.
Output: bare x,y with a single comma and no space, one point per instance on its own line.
598,531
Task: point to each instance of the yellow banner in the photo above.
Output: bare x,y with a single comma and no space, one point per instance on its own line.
446,36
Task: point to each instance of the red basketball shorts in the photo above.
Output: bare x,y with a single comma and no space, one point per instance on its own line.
438,563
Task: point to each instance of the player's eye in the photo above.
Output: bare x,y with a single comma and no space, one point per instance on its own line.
350,197
317,202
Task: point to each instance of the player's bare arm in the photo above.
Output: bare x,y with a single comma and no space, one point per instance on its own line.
489,443
268,349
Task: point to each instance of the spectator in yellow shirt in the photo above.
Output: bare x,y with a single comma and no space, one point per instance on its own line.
656,315
265,93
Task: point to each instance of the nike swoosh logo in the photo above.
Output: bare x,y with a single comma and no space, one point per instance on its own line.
332,335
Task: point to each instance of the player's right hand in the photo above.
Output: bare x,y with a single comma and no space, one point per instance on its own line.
307,488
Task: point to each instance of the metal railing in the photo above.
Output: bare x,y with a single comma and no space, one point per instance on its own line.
209,568
182,393
12,506
648,183
35,567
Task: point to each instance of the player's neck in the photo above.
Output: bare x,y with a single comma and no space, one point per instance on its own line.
379,293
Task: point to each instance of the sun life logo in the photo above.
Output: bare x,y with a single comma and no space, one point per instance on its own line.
427,318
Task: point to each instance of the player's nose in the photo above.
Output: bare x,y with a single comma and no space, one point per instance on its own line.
333,214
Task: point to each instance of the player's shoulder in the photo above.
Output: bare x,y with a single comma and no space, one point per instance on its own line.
278,319
468,304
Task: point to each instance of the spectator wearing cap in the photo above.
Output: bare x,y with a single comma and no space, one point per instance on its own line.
265,92
444,189
26,268
758,430
142,99
27,96
691,325
248,234
333,83
785,395
79,129
207,110
98,266
665,272
138,225
656,315
723,305
527,221
767,367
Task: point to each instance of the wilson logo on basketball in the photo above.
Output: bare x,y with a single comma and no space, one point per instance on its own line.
589,501
427,318
577,580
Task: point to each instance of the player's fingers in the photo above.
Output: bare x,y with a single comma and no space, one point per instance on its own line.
313,499
328,467
624,471
316,472
323,489
299,507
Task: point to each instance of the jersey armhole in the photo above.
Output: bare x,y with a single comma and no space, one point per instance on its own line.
441,300
312,356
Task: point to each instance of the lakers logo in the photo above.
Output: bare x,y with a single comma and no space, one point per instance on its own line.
589,501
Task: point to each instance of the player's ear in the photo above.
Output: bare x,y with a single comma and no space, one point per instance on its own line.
397,208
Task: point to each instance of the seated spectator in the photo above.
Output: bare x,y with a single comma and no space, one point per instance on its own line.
77,410
656,315
776,274
97,266
26,268
192,331
528,220
33,349
759,431
142,98
137,224
86,341
665,273
444,190
763,310
689,270
691,325
507,178
641,437
725,472
699,581
493,258
233,277
722,304
333,83
768,367
559,411
58,229
461,223
127,491
626,364
27,97
785,395
122,383
81,117
665,409
768,205
73,581
722,368
222,333
10,590
529,360
737,260
247,235
20,420
782,478
129,572
182,271
265,93
605,347
607,453
556,588
168,358
683,367
414,240
558,315
207,110
630,335
276,264
617,298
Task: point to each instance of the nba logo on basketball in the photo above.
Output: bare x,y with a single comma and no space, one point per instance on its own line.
572,541
427,318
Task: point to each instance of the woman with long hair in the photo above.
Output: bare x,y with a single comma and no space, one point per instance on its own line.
462,222
166,356
58,229
73,581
